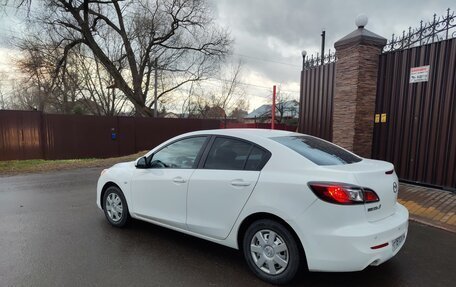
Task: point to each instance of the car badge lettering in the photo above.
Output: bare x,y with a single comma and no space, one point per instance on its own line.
374,208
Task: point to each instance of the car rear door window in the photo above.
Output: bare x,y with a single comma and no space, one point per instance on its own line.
257,159
228,153
318,151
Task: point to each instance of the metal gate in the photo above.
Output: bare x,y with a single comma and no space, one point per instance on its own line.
416,121
316,98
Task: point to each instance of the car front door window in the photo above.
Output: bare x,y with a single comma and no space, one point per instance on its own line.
181,154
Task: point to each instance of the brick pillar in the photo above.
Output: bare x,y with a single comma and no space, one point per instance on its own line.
355,91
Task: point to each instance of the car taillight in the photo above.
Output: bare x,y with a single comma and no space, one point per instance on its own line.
370,195
340,193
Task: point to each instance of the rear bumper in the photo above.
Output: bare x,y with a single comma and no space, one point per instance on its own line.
349,248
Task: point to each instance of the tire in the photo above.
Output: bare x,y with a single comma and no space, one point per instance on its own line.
277,261
115,207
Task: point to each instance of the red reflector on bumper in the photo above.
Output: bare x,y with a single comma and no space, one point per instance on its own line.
380,246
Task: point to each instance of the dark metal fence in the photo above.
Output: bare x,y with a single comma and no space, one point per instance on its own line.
33,135
419,135
236,125
20,135
439,29
316,98
315,61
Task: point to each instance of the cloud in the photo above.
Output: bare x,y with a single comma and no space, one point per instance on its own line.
267,32
270,34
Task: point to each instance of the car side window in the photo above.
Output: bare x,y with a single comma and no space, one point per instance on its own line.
180,154
257,159
227,153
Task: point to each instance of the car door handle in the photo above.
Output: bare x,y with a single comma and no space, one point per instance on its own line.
240,182
179,180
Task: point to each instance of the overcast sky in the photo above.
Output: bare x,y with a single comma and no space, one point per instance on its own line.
270,34
271,31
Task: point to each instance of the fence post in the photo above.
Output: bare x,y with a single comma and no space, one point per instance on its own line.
356,88
43,136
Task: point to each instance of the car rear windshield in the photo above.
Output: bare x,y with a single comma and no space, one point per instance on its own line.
318,151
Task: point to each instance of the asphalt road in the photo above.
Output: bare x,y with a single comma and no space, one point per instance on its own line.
52,234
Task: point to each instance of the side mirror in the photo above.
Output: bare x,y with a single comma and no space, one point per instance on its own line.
142,162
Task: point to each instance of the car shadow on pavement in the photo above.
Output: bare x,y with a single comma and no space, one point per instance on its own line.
382,275
211,258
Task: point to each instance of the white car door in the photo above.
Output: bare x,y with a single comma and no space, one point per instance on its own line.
219,189
159,193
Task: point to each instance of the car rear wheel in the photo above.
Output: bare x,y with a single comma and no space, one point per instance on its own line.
115,207
271,251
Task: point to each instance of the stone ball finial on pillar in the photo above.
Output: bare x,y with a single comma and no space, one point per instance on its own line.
361,21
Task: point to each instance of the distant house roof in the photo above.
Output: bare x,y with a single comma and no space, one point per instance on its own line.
290,110
259,112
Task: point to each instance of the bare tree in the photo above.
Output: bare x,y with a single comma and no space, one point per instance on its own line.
231,94
34,90
95,91
228,95
3,101
40,87
239,113
286,110
186,107
179,33
82,87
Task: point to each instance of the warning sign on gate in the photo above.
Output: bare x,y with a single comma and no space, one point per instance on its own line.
419,74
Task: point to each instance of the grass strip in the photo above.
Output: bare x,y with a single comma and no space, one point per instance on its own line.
13,167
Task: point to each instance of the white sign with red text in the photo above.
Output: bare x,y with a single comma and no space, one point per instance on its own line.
419,74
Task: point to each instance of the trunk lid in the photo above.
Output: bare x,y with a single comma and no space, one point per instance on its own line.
381,178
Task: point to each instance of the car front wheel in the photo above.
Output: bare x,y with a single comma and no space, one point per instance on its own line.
115,207
271,251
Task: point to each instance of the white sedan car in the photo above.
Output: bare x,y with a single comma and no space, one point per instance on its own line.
283,198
